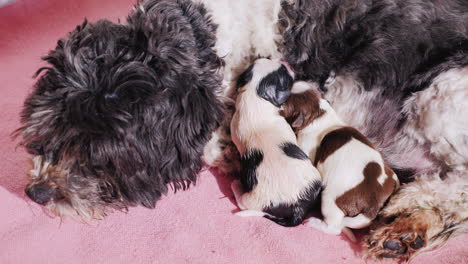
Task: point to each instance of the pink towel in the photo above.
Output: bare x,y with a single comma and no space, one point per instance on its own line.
196,226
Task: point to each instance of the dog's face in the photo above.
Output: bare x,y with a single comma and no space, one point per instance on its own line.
269,79
123,110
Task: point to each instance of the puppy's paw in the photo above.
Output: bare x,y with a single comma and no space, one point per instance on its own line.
237,190
313,222
213,150
404,235
322,226
247,213
236,187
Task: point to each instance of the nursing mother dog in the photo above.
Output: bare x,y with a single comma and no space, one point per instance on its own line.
130,91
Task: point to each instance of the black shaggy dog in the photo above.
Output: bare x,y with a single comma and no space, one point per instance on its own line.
123,111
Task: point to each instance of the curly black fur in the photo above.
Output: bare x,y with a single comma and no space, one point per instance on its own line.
391,48
386,43
130,107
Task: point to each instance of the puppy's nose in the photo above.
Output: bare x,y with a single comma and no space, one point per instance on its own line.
41,194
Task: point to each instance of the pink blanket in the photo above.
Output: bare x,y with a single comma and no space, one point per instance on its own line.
196,226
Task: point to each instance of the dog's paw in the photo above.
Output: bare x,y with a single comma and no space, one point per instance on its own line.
404,235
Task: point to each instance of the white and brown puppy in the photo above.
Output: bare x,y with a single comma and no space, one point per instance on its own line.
356,179
277,180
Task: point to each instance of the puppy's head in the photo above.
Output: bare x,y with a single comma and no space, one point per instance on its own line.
268,79
121,111
303,107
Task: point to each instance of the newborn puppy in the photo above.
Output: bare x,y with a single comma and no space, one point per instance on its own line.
356,180
277,180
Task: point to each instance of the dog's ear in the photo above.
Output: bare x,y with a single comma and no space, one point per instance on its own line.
178,34
276,86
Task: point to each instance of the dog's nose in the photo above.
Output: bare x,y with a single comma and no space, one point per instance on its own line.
41,194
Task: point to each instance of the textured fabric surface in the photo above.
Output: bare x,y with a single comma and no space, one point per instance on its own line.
196,226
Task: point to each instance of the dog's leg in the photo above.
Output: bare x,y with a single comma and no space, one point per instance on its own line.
437,117
421,216
430,210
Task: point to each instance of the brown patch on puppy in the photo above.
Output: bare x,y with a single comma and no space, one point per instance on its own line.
302,109
335,140
369,196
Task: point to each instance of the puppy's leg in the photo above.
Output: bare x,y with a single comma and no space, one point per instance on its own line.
333,217
246,213
322,226
236,188
357,222
220,151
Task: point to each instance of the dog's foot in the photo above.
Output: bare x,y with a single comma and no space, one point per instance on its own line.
404,235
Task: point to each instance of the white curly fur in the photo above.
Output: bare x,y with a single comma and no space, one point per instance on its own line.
246,29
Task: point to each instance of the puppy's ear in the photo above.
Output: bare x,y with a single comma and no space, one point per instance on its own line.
281,97
276,87
273,95
302,109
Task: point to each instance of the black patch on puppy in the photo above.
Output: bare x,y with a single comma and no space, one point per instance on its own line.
249,163
290,215
293,151
245,77
275,87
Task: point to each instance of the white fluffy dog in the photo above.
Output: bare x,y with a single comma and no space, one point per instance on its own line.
356,180
277,180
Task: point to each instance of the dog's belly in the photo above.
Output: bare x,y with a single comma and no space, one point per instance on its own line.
378,118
